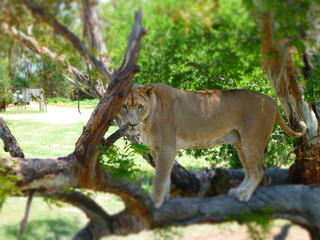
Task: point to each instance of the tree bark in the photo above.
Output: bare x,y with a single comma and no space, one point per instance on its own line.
10,143
2,106
282,74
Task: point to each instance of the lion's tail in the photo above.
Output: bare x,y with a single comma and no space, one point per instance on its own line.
281,122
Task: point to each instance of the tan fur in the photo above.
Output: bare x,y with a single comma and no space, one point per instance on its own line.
169,119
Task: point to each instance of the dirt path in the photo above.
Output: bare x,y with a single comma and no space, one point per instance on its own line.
58,115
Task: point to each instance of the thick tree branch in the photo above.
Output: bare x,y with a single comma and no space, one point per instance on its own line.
107,109
298,208
273,201
47,174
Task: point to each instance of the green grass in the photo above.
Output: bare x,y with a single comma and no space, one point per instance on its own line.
44,140
66,102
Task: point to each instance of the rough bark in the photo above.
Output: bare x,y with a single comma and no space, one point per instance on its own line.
10,143
282,73
107,109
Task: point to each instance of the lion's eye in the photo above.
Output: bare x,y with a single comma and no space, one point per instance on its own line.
140,107
124,107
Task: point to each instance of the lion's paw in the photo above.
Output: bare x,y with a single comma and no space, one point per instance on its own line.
241,194
158,201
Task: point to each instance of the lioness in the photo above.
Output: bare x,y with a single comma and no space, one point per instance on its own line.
169,119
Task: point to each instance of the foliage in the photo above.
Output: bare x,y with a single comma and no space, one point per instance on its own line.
55,100
7,184
5,92
191,44
5,95
121,161
167,233
295,23
258,224
312,83
219,156
196,45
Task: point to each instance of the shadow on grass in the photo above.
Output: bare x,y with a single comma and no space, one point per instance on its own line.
45,230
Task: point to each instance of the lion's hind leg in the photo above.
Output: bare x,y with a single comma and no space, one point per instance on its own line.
252,160
245,166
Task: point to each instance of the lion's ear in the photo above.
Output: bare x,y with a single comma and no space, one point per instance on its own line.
147,90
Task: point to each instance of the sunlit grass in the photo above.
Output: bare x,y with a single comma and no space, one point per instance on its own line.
44,140
66,102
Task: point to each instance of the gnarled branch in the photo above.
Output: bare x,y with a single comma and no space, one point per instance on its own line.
10,143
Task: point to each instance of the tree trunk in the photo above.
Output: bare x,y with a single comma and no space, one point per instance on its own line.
2,106
283,75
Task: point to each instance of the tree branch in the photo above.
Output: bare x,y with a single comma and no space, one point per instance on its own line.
93,30
10,143
298,208
107,109
268,201
77,85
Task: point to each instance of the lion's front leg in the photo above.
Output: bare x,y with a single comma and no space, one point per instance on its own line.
161,183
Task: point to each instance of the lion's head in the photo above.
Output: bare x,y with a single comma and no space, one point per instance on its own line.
136,108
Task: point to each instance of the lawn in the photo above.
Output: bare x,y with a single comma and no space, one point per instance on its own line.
66,102
49,221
